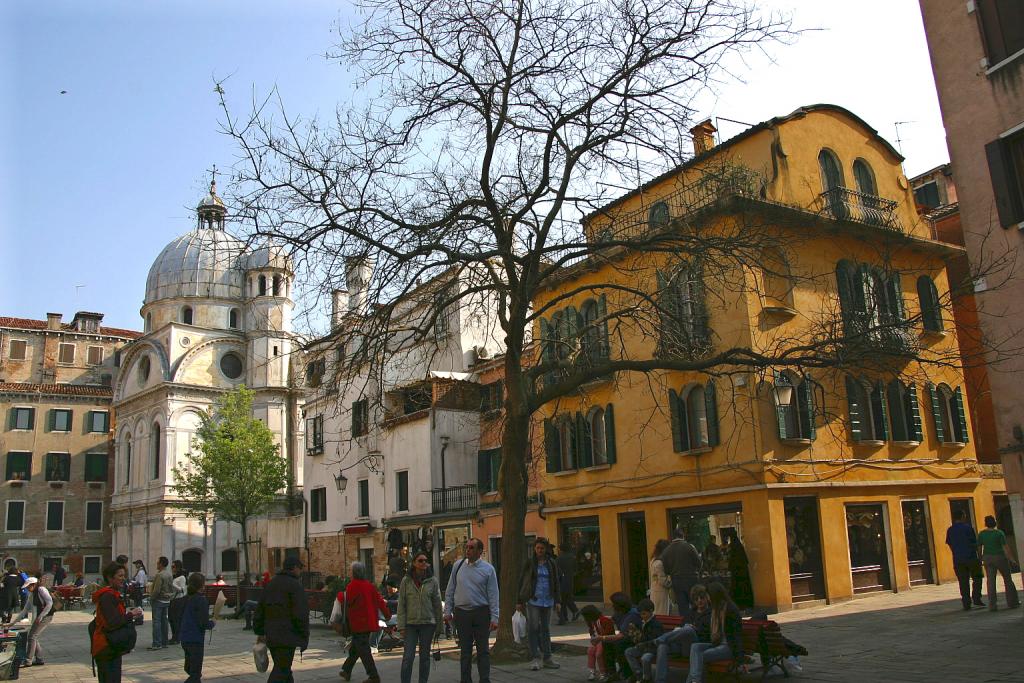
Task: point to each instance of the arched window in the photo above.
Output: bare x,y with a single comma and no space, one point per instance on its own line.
262,285
658,216
868,410
580,441
229,560
596,430
149,322
277,285
795,416
931,309
864,177
905,414
192,560
154,451
128,460
949,414
694,415
567,443
594,341
870,300
233,318
832,185
681,306
186,315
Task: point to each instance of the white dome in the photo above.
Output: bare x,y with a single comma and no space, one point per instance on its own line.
201,263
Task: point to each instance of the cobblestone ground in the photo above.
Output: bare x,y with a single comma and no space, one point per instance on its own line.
918,635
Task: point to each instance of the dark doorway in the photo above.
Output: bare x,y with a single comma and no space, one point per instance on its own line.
919,550
192,561
633,554
964,505
869,550
582,535
803,544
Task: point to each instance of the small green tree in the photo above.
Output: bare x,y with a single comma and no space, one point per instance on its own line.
235,469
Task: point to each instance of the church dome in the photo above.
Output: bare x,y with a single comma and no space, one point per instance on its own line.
201,263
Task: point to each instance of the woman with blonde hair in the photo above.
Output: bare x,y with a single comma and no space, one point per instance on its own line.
726,634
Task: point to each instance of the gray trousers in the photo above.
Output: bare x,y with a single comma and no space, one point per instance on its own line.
34,648
999,564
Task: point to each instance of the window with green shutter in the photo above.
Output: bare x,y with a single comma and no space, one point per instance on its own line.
488,465
60,420
58,467
19,466
694,417
99,421
96,466
23,418
931,310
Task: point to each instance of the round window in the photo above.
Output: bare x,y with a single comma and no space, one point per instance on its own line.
143,369
231,365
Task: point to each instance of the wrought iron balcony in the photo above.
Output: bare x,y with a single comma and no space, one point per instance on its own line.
845,204
454,499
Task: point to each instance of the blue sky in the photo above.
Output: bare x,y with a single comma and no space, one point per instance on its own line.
94,182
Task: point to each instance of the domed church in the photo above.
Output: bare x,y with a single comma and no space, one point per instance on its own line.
217,314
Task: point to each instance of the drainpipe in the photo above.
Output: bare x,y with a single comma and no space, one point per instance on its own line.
444,497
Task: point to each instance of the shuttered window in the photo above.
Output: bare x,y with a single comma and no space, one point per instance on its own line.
931,310
580,440
488,464
694,416
1006,168
796,419
1002,28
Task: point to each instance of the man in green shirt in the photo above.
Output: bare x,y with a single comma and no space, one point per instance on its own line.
995,557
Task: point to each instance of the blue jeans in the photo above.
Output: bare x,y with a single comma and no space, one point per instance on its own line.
701,653
160,624
640,662
421,635
538,631
675,642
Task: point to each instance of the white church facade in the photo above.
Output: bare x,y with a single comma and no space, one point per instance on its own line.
218,314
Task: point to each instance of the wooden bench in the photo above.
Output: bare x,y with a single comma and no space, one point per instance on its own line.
763,637
230,593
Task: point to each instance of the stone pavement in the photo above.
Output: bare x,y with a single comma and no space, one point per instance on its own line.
918,635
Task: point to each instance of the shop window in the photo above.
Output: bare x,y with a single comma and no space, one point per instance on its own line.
709,529
905,412
803,545
869,553
19,466
694,416
582,538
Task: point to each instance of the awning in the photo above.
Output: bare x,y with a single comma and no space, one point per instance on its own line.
460,376
352,529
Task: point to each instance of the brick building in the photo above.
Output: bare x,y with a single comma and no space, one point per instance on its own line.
55,395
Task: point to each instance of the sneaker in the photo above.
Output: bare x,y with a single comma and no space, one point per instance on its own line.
155,647
793,664
535,665
551,664
374,650
345,675
38,662
592,675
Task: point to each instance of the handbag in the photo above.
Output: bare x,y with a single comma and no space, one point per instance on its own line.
260,657
122,639
339,619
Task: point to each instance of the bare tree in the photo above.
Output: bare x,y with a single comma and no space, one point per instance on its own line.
490,135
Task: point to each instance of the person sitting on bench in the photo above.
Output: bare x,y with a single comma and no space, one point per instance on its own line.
726,641
678,640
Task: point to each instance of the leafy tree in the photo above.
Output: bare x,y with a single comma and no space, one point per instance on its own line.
235,470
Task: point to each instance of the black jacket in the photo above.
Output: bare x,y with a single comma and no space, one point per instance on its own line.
733,630
648,632
528,585
282,614
567,568
681,561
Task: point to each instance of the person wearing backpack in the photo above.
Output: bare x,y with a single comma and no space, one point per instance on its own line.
281,619
195,622
40,599
112,632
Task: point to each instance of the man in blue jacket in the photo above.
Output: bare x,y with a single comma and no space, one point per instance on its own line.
963,543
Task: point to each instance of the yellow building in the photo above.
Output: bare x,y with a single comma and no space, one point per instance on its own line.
838,469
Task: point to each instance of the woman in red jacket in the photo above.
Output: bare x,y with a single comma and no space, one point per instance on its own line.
363,605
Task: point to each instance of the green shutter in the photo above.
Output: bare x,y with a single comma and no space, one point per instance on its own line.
805,401
933,397
895,295
585,446
677,418
662,299
780,411
53,419
961,415
914,429
551,446
604,343
853,394
701,326
843,280
483,471
884,427
609,434
711,409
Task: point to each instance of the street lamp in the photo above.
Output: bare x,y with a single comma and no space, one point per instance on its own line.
783,394
341,481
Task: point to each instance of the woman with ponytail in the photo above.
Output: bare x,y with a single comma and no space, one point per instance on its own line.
726,634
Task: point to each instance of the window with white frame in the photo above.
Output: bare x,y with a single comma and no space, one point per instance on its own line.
23,418
15,520
318,504
66,354
55,515
60,420
19,466
17,349
364,497
315,435
402,491
94,515
99,421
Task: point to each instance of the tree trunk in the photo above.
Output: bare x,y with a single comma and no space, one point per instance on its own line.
513,483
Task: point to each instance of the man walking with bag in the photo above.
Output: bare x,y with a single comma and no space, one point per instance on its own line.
281,620
472,600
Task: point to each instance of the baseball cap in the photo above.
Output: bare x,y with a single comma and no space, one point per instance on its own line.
30,581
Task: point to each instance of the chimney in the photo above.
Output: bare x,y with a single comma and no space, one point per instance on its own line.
339,305
53,321
358,273
703,137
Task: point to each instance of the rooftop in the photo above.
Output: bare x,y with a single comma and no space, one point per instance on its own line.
56,389
30,324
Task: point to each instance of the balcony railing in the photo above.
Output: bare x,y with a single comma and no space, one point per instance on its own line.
845,204
454,499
